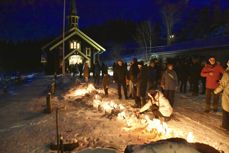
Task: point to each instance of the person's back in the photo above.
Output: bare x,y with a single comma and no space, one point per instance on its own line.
120,73
164,106
169,80
133,72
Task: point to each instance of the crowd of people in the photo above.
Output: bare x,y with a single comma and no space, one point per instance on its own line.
147,84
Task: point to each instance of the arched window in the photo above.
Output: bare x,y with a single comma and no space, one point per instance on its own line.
75,45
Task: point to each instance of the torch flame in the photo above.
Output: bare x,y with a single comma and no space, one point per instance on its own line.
190,137
84,91
125,115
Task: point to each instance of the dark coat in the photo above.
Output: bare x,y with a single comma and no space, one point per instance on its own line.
152,74
184,72
195,70
120,73
133,72
142,81
97,69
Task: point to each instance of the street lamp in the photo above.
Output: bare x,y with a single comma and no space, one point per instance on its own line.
172,36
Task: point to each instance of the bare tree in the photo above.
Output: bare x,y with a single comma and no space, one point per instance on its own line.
145,37
171,13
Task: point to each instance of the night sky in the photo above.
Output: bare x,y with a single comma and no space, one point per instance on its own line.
38,19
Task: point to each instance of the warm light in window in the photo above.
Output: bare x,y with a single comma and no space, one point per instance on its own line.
74,45
78,45
71,45
75,59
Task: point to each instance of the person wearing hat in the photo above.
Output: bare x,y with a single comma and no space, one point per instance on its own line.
224,86
212,72
169,83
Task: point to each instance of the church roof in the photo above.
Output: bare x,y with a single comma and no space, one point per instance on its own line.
69,34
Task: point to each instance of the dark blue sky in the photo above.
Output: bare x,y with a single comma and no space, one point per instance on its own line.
36,19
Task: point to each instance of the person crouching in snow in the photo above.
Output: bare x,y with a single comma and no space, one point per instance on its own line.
106,82
159,105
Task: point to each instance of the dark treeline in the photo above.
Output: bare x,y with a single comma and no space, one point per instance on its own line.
20,56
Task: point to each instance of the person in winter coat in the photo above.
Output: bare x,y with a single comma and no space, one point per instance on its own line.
224,86
142,77
133,73
106,82
152,76
169,83
86,72
104,69
97,70
212,72
163,107
120,74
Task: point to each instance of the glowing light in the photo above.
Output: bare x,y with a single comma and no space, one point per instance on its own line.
190,137
81,92
130,120
75,59
84,91
121,116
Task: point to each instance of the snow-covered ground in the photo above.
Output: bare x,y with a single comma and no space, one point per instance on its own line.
24,128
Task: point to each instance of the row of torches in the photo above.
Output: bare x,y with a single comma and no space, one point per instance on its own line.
128,117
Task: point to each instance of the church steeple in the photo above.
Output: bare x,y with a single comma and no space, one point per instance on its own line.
73,18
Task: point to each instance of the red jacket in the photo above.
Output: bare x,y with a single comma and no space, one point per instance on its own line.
213,74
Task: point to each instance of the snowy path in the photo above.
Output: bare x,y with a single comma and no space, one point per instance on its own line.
24,128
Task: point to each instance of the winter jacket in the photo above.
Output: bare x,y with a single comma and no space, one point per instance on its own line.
97,69
195,71
184,72
163,104
142,81
133,72
120,73
86,71
224,86
152,74
169,80
212,81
